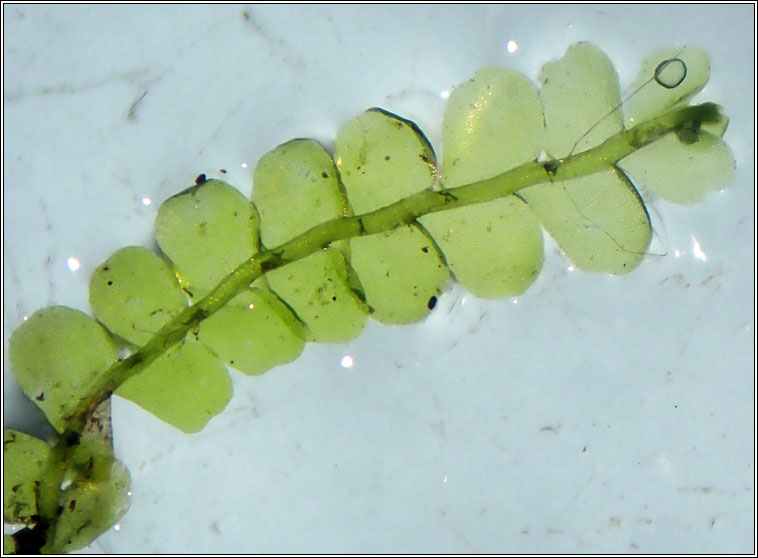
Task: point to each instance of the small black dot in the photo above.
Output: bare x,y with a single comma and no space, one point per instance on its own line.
324,175
200,179
386,157
110,283
432,303
425,249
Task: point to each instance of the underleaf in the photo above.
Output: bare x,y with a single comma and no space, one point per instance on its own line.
296,186
383,158
207,231
24,460
134,293
186,386
56,356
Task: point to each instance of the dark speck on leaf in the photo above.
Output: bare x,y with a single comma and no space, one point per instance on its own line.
432,303
425,249
41,396
324,175
200,179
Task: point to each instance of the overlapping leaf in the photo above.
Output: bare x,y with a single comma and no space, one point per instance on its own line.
296,186
57,355
682,167
382,159
492,123
599,220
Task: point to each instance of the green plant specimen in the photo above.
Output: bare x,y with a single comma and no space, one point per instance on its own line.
373,230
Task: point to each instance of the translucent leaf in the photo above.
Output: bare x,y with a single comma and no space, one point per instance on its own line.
96,498
324,293
599,220
400,270
253,332
383,158
579,94
23,464
667,77
207,231
492,123
56,355
185,387
134,293
297,187
493,249
682,172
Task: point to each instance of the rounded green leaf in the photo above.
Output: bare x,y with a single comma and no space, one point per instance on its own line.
580,94
400,270
682,172
493,249
56,355
185,387
383,158
207,231
96,498
134,293
297,187
253,332
599,220
24,460
324,293
492,123
667,78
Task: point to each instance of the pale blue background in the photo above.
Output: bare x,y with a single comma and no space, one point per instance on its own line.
592,414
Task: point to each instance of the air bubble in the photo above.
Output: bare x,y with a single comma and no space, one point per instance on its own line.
670,73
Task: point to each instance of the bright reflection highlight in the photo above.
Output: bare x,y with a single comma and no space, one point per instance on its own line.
146,201
445,94
73,264
251,306
697,251
347,361
117,527
511,46
244,165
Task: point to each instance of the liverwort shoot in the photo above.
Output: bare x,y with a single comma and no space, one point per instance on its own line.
374,230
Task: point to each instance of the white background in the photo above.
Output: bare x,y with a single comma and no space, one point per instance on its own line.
591,414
